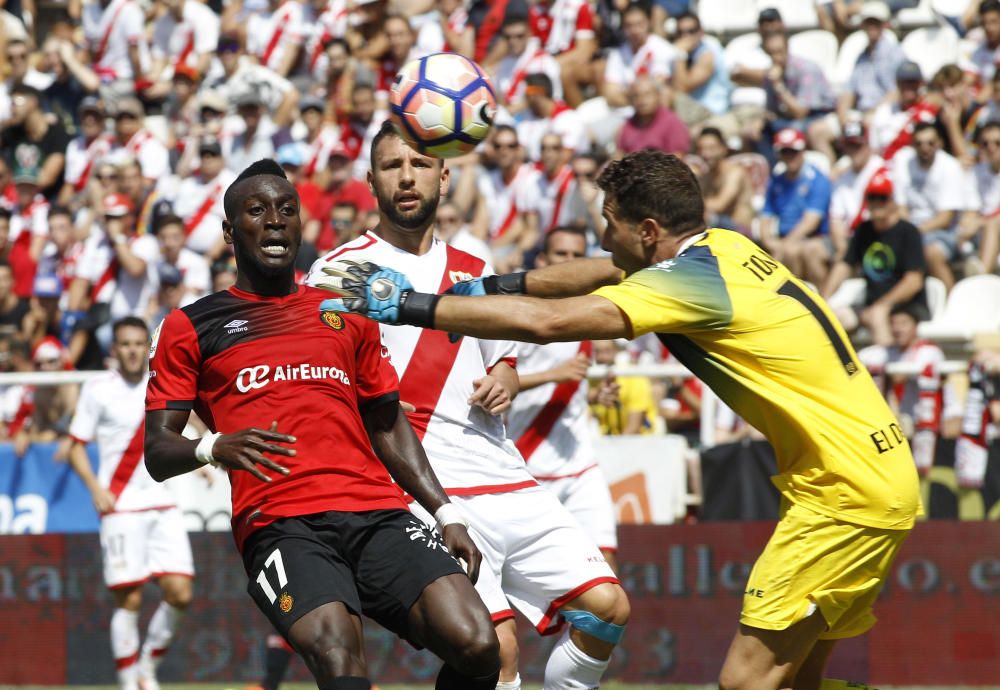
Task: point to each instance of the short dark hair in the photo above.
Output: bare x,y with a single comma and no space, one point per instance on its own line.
5,213
57,210
167,219
984,7
514,18
338,41
386,130
690,15
713,132
128,322
569,230
22,89
497,129
542,80
638,7
657,185
924,126
992,124
264,166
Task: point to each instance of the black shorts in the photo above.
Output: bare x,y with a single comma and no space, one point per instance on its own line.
377,563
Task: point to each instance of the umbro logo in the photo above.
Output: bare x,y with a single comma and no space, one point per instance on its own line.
236,326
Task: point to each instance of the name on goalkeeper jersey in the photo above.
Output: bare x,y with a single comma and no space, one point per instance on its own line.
261,375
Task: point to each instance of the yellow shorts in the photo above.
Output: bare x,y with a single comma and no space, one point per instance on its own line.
813,561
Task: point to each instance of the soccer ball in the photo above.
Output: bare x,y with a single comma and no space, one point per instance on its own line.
442,104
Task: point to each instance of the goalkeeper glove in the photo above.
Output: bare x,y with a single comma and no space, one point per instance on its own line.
381,294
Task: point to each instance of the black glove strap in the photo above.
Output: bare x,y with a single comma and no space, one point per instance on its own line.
506,284
417,308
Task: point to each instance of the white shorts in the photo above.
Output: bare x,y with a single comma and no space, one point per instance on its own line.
142,545
588,499
535,554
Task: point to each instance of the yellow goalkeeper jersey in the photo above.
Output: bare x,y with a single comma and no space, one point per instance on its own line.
773,351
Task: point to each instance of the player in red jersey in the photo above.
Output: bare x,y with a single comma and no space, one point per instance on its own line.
325,535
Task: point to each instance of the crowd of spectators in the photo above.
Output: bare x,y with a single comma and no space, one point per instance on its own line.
123,121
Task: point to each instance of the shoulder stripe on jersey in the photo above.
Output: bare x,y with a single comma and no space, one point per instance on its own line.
434,354
541,426
369,241
128,462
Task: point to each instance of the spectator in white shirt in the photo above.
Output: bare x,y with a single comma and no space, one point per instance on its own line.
847,200
986,56
546,115
196,277
929,189
981,224
523,55
186,33
644,54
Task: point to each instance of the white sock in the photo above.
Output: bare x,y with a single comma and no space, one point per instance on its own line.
510,684
160,634
569,668
125,646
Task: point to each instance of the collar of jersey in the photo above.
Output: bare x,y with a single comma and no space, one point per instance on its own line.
254,297
690,241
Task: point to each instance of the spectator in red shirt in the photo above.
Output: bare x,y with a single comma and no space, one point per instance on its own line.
341,189
653,126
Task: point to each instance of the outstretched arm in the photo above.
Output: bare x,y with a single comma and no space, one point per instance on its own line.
399,449
572,278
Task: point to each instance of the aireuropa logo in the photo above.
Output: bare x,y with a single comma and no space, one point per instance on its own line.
260,375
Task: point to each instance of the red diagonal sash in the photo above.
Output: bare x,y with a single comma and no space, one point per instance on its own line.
279,30
128,462
560,197
550,413
203,210
103,45
435,354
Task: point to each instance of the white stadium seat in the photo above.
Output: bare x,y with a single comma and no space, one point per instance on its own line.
741,46
949,8
850,49
850,293
817,45
724,17
819,160
932,48
973,306
913,17
759,170
937,296
797,14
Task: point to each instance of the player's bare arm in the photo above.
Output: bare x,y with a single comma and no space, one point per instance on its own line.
399,449
495,391
573,369
169,454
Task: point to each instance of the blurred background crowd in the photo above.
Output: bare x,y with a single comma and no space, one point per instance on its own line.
858,142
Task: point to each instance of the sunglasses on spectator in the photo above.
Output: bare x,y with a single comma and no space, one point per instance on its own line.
587,174
686,32
788,153
47,362
229,47
878,198
209,154
505,146
515,36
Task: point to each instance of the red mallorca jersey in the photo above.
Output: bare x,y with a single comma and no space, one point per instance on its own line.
240,360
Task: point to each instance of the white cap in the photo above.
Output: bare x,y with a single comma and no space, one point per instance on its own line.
875,10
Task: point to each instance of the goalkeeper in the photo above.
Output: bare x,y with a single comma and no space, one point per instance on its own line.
768,346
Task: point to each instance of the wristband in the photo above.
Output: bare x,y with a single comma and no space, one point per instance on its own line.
449,514
417,308
506,284
203,451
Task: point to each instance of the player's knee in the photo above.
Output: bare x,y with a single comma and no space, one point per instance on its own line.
179,596
608,602
329,659
479,655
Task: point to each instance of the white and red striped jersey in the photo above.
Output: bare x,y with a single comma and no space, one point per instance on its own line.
554,200
564,121
356,138
549,423
199,204
127,295
152,155
467,447
510,74
195,271
111,412
31,220
110,32
331,23
81,156
559,24
652,59
891,127
185,41
271,34
318,153
847,200
503,199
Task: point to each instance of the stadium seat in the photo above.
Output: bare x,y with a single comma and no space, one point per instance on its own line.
740,46
972,307
817,45
932,48
819,160
850,293
937,296
797,15
759,170
727,17
914,17
949,8
850,49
